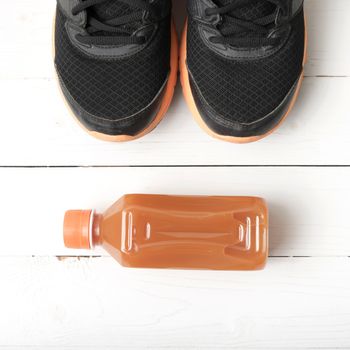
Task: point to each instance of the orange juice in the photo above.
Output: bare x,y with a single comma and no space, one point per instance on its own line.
189,232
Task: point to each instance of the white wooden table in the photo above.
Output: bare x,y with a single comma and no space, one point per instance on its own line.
51,297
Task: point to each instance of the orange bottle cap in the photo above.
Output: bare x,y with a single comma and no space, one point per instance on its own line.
77,229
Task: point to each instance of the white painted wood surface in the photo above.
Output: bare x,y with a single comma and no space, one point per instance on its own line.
308,207
311,135
93,303
301,300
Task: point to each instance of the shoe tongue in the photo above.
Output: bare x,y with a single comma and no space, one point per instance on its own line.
251,11
111,9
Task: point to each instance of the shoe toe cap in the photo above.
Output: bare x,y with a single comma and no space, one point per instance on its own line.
126,125
261,125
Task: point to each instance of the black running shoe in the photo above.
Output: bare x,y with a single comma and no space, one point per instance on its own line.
116,62
242,64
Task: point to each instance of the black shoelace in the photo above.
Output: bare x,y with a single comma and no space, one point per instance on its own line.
118,27
239,32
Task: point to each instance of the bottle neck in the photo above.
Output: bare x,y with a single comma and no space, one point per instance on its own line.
95,230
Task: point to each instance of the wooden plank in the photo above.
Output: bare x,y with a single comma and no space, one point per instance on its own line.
328,50
308,206
54,139
27,54
92,303
316,132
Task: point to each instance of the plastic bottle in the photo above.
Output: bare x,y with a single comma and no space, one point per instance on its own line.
191,232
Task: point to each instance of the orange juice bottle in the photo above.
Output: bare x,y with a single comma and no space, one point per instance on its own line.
190,232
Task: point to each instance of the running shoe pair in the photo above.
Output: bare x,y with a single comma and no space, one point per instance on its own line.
241,64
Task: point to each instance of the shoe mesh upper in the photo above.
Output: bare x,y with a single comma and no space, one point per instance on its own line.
113,89
245,90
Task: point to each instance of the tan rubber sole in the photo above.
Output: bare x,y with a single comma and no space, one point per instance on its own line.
185,82
165,104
